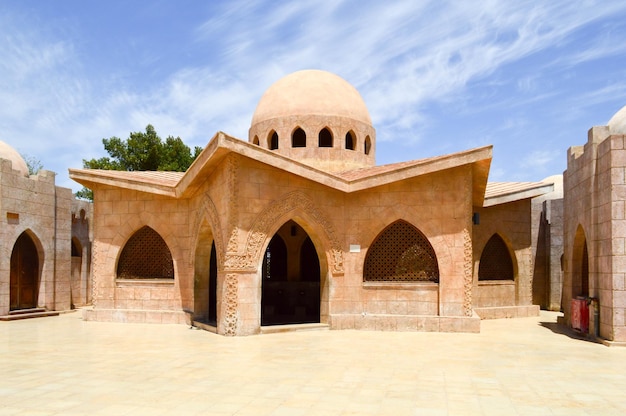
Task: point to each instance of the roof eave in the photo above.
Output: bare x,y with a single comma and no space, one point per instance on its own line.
540,189
89,178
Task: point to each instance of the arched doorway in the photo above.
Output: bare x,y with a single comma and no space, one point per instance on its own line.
24,280
205,279
290,278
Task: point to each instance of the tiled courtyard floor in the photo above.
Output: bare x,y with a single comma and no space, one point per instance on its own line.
65,366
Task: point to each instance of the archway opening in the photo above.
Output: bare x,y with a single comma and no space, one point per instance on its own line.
272,140
350,140
298,138
325,138
24,279
290,278
367,145
205,278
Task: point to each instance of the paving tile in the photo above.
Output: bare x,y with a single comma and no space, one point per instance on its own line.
65,366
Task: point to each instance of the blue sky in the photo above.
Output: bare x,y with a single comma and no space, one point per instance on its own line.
529,77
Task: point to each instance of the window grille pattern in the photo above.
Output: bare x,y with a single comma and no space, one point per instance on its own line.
495,261
145,256
401,253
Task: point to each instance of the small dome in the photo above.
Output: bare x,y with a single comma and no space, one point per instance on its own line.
311,92
18,162
617,123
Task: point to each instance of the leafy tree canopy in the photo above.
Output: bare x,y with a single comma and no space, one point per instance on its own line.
142,152
34,164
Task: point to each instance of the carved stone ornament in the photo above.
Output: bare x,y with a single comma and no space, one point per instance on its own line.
231,304
268,218
467,269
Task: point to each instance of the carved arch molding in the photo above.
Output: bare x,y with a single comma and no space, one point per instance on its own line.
266,221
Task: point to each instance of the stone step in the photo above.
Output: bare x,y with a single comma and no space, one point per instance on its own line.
274,329
27,314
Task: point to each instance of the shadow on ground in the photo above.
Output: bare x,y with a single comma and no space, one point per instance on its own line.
561,329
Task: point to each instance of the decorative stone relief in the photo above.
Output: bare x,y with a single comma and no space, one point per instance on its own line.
231,303
233,170
260,229
467,269
97,256
208,209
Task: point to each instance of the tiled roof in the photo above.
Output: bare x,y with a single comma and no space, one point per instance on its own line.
502,192
177,184
153,177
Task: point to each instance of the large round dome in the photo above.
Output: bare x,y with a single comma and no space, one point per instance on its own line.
18,162
311,92
617,123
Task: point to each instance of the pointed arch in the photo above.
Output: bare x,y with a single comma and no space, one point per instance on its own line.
255,140
298,138
350,140
25,273
267,220
291,278
496,262
272,140
401,252
367,145
325,138
145,256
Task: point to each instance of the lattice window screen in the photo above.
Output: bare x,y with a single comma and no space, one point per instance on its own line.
401,253
145,256
495,261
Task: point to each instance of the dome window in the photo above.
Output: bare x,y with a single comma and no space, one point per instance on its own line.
256,140
298,138
350,141
368,145
325,138
272,140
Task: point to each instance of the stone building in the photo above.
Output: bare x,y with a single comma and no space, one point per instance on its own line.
594,287
38,236
299,226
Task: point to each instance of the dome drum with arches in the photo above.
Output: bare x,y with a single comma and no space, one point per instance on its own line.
317,118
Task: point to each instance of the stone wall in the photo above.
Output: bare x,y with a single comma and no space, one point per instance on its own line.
505,298
34,205
595,191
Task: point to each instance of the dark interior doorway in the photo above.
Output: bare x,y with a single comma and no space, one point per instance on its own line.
212,313
24,280
291,278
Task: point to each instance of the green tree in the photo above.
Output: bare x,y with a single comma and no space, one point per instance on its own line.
142,151
34,165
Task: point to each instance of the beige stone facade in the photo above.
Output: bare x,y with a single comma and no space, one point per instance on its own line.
299,226
595,233
36,230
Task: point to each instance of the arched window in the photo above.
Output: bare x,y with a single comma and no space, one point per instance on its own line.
255,140
325,138
298,138
350,140
368,145
145,256
272,140
401,253
495,261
